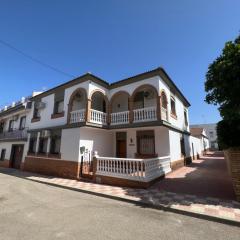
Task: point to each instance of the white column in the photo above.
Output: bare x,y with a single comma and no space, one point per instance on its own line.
37,143
48,145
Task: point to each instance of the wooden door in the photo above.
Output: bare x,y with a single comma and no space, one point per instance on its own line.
121,148
16,156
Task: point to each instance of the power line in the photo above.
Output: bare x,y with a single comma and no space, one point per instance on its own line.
35,59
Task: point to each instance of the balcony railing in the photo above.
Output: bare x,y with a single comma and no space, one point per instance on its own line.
120,118
98,117
145,114
139,115
77,116
14,135
143,170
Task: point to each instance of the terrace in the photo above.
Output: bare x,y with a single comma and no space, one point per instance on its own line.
144,105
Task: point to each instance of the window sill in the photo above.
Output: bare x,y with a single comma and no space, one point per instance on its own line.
35,120
57,115
174,116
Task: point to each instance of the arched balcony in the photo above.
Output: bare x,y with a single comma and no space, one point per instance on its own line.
145,104
119,108
77,106
164,103
99,108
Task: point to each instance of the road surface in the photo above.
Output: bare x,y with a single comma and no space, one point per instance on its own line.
30,210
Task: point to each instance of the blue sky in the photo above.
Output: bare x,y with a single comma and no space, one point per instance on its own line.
114,40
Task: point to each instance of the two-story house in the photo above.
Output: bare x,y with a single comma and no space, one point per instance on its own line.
14,120
136,129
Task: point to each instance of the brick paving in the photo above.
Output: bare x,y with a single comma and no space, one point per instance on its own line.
205,177
180,197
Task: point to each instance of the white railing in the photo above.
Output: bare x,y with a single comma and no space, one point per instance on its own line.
143,170
14,134
120,118
77,116
98,117
164,114
145,114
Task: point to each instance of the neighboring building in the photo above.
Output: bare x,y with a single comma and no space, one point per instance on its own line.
211,132
137,129
14,120
202,145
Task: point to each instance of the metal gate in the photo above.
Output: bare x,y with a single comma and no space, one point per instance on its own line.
86,164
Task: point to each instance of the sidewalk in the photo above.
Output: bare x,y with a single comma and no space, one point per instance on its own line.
182,197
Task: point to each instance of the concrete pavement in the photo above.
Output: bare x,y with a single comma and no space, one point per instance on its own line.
30,210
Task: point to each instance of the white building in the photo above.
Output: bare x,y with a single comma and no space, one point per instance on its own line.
211,132
202,144
14,120
137,127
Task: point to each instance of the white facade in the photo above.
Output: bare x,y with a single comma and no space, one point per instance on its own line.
211,133
14,122
133,107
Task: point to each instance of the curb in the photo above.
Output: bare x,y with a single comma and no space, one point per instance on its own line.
146,204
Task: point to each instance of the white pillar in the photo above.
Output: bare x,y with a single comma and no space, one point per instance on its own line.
37,143
48,145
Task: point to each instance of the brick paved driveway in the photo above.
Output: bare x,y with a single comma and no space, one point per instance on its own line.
206,177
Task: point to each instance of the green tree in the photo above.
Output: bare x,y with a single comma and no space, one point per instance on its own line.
223,89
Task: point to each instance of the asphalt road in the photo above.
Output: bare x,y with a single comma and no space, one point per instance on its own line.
30,210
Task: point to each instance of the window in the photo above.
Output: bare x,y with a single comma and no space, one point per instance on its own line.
11,124
185,118
22,123
146,142
43,141
2,127
164,100
211,134
32,143
58,108
3,153
36,110
58,102
173,106
55,142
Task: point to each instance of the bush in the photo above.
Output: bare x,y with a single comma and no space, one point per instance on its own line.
228,132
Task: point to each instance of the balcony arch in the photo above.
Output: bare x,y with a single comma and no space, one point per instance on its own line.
144,96
120,102
99,101
77,106
145,104
119,108
99,108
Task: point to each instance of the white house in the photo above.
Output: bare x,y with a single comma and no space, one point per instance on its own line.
211,132
14,120
137,128
200,141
